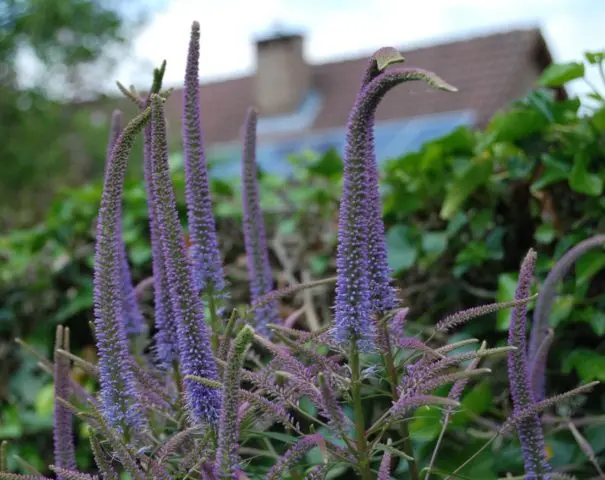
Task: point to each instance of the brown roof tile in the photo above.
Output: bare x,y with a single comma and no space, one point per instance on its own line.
485,69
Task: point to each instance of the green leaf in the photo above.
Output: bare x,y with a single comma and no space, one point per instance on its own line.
595,318
545,233
554,171
558,74
588,364
515,124
461,188
588,265
477,401
594,58
581,180
507,284
434,242
328,165
401,251
561,308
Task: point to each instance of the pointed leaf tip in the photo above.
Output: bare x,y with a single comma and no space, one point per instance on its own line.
437,82
387,56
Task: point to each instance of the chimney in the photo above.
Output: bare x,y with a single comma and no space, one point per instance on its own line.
283,77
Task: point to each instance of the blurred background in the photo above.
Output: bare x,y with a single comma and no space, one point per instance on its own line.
470,180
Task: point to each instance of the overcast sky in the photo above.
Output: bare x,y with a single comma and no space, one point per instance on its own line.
342,28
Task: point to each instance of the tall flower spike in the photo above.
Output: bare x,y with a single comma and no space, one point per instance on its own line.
227,459
382,293
259,269
133,318
529,430
118,385
207,263
165,338
353,295
65,453
195,352
544,304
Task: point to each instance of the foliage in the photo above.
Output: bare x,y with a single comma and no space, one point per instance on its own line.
52,51
463,207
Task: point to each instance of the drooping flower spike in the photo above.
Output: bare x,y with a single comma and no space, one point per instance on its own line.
133,318
257,254
353,294
538,352
382,292
207,263
118,384
195,353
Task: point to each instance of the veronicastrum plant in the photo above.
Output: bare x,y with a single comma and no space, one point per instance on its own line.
229,392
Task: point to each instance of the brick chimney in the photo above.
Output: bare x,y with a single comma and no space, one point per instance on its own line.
283,77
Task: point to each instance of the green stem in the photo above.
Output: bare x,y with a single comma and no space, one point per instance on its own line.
362,444
394,380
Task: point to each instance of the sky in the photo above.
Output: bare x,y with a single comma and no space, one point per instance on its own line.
337,29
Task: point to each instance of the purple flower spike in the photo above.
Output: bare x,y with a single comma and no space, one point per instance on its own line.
353,294
195,352
208,268
64,449
165,338
382,293
529,430
259,269
133,318
543,308
118,383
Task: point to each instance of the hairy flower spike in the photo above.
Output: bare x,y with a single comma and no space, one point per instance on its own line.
259,268
382,293
353,295
529,430
64,449
165,341
118,386
195,352
295,453
227,459
544,305
208,268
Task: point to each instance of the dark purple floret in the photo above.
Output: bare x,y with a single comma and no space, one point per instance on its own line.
257,254
195,352
353,294
529,430
208,268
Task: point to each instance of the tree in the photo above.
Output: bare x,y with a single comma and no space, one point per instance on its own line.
54,54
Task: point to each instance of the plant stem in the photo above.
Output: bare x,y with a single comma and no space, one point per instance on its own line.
362,444
394,380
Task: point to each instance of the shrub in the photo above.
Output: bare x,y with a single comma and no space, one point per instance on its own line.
229,392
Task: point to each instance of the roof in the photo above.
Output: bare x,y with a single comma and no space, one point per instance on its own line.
485,69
